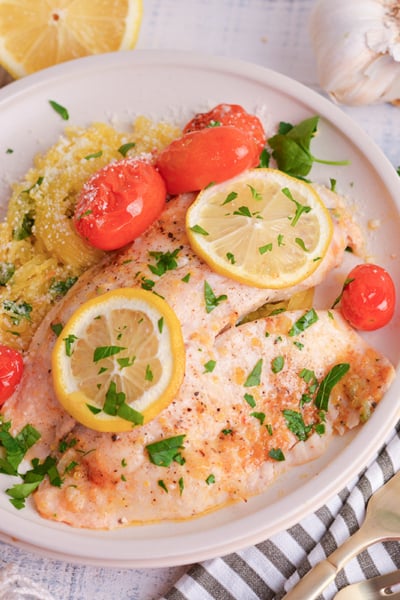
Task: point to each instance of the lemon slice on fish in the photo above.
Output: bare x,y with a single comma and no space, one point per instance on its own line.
119,360
263,228
35,34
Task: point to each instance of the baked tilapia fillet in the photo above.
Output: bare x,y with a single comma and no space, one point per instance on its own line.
276,397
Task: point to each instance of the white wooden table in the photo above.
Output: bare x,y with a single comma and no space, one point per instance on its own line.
272,33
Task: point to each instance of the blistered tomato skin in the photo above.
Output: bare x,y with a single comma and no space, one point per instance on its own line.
118,203
369,297
11,369
233,115
207,156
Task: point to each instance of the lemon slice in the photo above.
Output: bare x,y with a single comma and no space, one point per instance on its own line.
262,228
119,360
35,34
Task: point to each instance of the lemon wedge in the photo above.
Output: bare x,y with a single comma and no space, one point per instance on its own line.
40,33
262,228
119,360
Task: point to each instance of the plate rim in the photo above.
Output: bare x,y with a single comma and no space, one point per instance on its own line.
370,150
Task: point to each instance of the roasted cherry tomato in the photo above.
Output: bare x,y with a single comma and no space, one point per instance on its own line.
368,298
119,202
206,156
230,114
11,369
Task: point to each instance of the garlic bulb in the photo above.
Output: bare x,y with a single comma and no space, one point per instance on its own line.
357,49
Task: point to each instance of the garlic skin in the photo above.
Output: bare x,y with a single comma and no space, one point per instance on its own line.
357,49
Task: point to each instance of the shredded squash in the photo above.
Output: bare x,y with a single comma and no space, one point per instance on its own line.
41,255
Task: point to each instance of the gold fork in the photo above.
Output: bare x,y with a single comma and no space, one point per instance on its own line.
382,522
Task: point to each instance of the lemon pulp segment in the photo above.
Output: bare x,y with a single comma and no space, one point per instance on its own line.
262,228
40,33
125,348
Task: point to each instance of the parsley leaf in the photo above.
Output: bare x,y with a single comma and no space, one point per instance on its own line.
327,384
211,300
16,311
164,452
309,318
291,148
106,351
254,376
165,261
295,423
61,110
7,270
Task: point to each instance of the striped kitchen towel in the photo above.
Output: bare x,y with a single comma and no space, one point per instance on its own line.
269,569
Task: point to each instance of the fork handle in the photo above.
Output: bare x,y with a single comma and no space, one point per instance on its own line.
314,582
320,576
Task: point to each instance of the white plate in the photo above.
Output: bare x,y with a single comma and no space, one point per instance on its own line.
173,86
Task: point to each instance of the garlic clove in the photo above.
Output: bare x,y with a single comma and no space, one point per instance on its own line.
357,49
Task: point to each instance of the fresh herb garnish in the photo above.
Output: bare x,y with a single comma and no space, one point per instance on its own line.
254,376
291,148
60,110
56,328
250,400
295,423
199,229
345,284
124,149
16,311
309,318
277,364
209,366
300,208
327,384
211,300
7,270
25,229
165,261
60,288
106,351
115,405
162,485
94,155
16,447
210,479
229,198
164,452
259,415
276,454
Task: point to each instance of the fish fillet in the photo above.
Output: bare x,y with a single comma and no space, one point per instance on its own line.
230,427
35,403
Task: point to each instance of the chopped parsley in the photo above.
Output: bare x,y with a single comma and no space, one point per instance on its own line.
291,148
166,451
254,376
211,300
106,351
276,454
7,270
60,288
209,366
230,197
124,149
17,311
327,384
295,423
60,110
309,318
26,227
277,364
250,400
165,261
